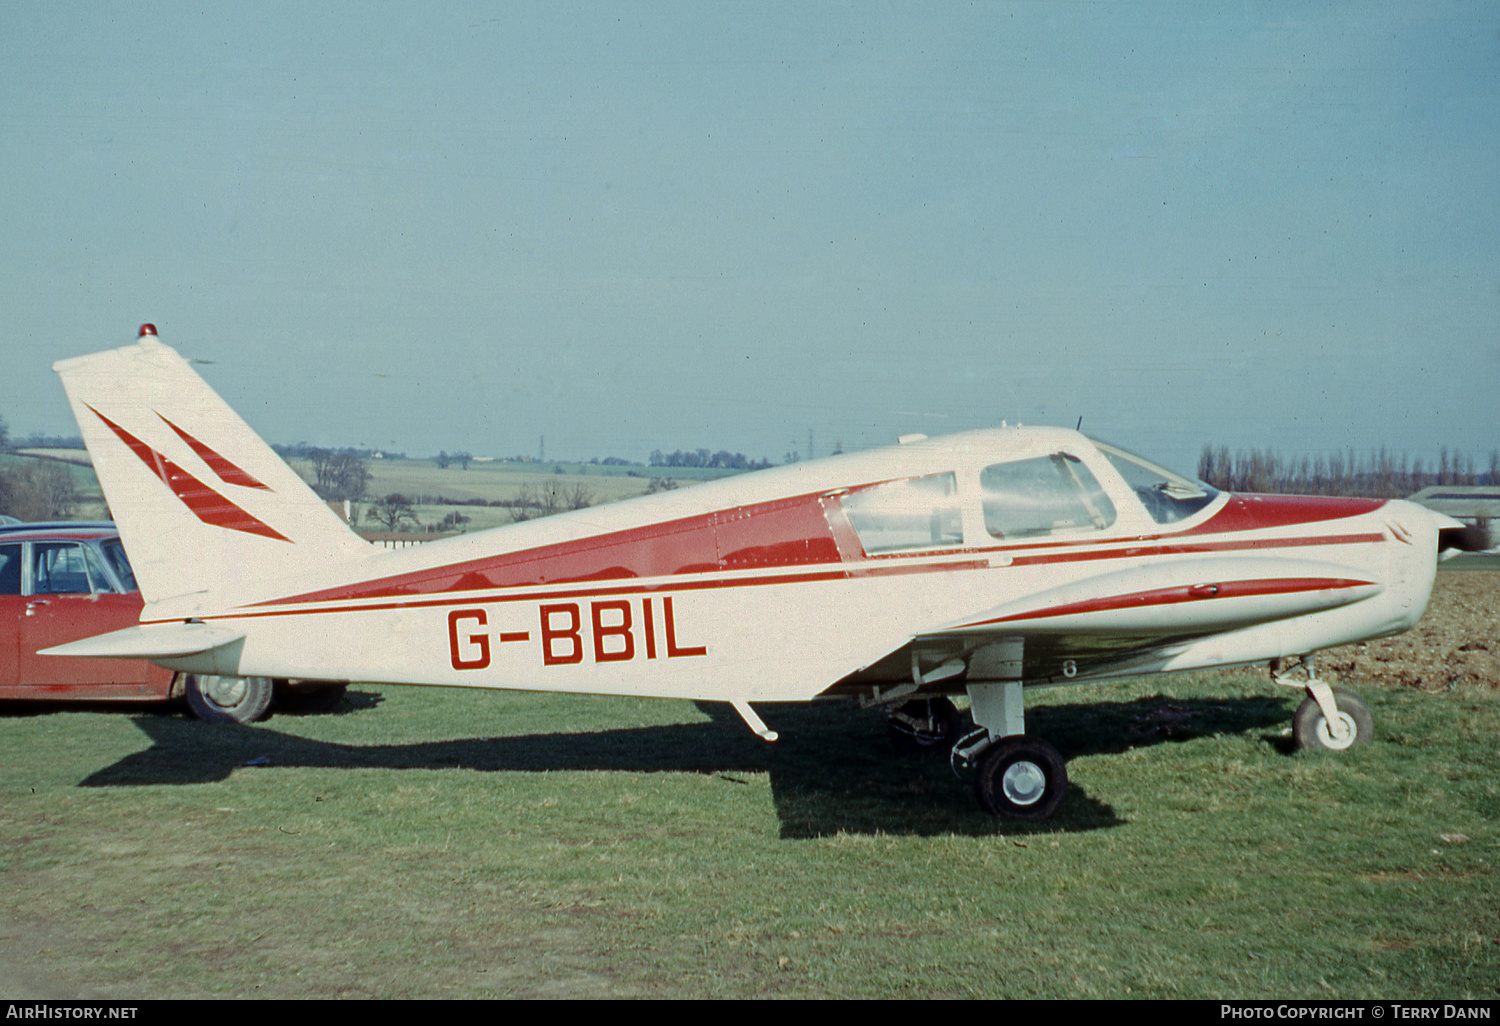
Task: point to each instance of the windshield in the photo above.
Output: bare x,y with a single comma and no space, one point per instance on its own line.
1168,497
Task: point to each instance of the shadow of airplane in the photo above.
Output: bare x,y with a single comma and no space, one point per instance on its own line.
831,772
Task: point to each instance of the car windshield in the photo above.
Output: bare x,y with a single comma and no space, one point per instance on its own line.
115,553
1168,497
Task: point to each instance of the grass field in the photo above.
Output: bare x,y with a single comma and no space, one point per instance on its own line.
438,843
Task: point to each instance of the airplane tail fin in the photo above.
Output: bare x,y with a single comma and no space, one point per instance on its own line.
202,504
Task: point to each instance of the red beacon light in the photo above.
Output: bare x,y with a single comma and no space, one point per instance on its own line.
146,329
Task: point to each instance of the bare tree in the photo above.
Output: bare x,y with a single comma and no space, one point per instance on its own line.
393,512
44,491
341,475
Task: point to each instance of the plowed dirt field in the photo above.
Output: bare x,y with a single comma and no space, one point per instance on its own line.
1455,646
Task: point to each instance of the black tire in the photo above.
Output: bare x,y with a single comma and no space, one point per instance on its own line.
307,697
217,699
925,725
1022,778
1311,729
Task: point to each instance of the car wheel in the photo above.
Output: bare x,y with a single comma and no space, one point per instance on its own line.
217,699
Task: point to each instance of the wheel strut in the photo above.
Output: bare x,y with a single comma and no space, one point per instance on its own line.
1318,690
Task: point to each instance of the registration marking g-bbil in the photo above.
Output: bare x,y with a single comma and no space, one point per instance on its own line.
606,633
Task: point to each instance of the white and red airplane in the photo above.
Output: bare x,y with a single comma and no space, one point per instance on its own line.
984,563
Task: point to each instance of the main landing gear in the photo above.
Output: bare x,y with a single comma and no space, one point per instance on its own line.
1329,719
1015,775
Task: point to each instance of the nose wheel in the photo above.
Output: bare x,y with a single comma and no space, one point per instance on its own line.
1352,723
1329,719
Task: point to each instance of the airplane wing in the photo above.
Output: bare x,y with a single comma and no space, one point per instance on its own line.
1138,620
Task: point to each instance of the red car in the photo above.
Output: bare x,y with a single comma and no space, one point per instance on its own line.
63,581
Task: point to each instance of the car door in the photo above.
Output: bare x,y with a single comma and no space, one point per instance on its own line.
70,596
11,606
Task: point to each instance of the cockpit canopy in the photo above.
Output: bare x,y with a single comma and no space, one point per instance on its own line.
1026,497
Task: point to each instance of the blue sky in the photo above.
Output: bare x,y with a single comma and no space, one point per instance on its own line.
724,225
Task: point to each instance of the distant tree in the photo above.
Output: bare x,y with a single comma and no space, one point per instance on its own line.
394,512
543,500
442,459
4,435
454,521
340,475
44,491
533,501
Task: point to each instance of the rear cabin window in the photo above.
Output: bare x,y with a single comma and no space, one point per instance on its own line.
898,516
1043,496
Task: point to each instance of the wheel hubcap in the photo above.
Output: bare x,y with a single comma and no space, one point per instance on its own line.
225,691
1326,735
1023,782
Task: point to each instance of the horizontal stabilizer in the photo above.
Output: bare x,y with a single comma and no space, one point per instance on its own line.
150,641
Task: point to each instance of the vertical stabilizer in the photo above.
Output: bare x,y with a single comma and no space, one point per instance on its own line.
203,505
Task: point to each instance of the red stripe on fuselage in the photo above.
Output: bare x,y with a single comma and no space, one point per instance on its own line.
1261,512
784,534
1185,593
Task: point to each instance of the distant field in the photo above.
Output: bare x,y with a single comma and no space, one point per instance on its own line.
488,482
503,482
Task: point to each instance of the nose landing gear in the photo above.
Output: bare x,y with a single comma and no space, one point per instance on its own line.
1329,719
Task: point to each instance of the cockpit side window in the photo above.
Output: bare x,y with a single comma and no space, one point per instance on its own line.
914,513
1043,496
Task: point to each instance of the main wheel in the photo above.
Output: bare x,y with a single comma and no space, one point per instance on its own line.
1312,730
924,725
1021,777
228,699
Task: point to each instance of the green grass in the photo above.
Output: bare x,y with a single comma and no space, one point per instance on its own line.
433,843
